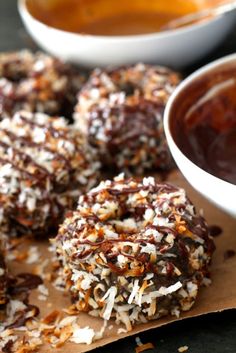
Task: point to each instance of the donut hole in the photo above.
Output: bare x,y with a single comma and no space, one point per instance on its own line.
123,217
126,215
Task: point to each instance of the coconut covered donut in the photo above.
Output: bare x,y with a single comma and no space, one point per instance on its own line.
44,166
36,82
121,111
134,251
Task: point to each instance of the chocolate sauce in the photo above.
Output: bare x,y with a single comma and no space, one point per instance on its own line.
24,283
215,230
204,127
22,317
229,253
20,286
8,347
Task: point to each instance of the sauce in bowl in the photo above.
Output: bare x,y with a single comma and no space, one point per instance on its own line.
206,131
110,18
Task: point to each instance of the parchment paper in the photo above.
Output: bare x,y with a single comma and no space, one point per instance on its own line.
221,295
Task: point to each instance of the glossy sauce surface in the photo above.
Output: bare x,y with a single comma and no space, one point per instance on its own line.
110,18
207,134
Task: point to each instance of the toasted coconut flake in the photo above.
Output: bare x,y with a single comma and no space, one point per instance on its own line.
82,335
182,349
110,296
144,347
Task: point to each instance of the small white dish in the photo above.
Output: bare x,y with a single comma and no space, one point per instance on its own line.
188,94
176,48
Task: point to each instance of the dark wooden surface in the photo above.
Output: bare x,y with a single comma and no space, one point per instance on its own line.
214,333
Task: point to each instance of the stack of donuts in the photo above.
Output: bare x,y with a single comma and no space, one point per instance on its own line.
131,248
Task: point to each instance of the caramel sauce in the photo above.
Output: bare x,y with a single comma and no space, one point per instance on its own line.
110,18
207,133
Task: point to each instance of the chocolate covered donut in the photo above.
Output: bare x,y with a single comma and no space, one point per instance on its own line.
36,82
121,111
44,166
134,251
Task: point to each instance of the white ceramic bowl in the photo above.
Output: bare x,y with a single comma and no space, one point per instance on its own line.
218,191
176,48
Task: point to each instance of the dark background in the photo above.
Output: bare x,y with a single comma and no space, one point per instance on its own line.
213,333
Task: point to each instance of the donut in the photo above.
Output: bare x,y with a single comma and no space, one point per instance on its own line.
134,251
36,82
3,279
121,111
44,166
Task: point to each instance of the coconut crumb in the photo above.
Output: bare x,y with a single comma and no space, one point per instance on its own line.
82,335
144,347
121,330
33,255
182,349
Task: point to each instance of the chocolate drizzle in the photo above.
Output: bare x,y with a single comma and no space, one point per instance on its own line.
27,142
25,159
8,347
23,283
229,253
215,230
22,317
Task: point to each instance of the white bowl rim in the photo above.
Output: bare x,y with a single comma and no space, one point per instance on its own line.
126,38
182,86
